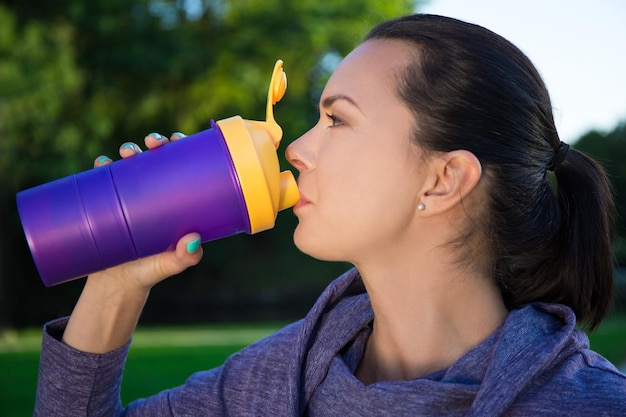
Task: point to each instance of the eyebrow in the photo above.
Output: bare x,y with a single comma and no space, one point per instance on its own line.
328,101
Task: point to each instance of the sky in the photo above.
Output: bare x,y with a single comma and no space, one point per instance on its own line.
578,46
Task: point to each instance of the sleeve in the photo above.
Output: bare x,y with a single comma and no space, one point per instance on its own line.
74,383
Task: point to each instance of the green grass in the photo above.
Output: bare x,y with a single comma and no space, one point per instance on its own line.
165,357
18,380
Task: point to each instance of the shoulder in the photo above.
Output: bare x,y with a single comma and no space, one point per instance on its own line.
587,371
563,376
257,377
583,384
269,349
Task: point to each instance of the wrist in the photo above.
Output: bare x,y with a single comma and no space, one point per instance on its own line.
105,315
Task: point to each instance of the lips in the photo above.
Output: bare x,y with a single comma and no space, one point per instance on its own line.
302,202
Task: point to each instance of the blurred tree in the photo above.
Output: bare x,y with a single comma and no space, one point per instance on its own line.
609,149
78,78
37,76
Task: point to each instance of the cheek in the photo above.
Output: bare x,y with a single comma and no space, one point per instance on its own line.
326,227
360,198
341,188
362,185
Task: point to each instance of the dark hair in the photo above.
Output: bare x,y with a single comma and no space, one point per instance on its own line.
471,89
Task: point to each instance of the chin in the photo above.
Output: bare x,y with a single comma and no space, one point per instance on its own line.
317,247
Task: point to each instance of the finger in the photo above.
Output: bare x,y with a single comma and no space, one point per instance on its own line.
188,253
129,149
154,140
177,136
101,161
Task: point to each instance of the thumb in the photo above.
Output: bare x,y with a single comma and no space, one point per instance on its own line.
188,253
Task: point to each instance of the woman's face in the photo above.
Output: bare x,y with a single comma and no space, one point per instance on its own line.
360,175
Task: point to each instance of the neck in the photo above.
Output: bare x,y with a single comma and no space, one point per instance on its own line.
426,317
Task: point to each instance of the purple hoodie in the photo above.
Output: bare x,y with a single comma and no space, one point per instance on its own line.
535,364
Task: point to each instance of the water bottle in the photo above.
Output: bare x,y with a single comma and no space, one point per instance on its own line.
219,182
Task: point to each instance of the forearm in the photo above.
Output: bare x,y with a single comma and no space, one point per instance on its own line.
105,315
109,307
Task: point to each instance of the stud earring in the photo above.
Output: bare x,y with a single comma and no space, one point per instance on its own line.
421,207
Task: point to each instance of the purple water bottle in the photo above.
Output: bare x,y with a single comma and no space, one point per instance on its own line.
219,182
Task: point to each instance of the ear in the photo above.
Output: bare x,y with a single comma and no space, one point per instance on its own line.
452,176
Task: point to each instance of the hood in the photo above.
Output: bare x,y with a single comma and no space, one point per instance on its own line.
531,341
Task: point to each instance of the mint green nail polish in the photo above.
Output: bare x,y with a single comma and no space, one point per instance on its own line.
156,136
180,135
103,159
129,146
193,245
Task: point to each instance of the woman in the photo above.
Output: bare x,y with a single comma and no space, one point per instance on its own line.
429,171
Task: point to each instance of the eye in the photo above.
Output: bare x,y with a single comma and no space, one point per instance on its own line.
335,121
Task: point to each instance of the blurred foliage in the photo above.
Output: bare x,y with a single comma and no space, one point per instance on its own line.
38,74
78,78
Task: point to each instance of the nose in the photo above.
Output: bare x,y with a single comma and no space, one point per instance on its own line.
300,153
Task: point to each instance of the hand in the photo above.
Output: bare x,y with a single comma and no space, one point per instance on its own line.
109,307
146,272
128,149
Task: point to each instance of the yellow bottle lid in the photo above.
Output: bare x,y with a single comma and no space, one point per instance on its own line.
252,146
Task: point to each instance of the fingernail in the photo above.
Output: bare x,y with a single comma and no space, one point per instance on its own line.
180,135
103,159
157,136
130,146
193,245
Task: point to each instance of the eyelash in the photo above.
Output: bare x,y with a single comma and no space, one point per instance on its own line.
334,119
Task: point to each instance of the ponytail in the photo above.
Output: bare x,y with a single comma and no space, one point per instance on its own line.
583,259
